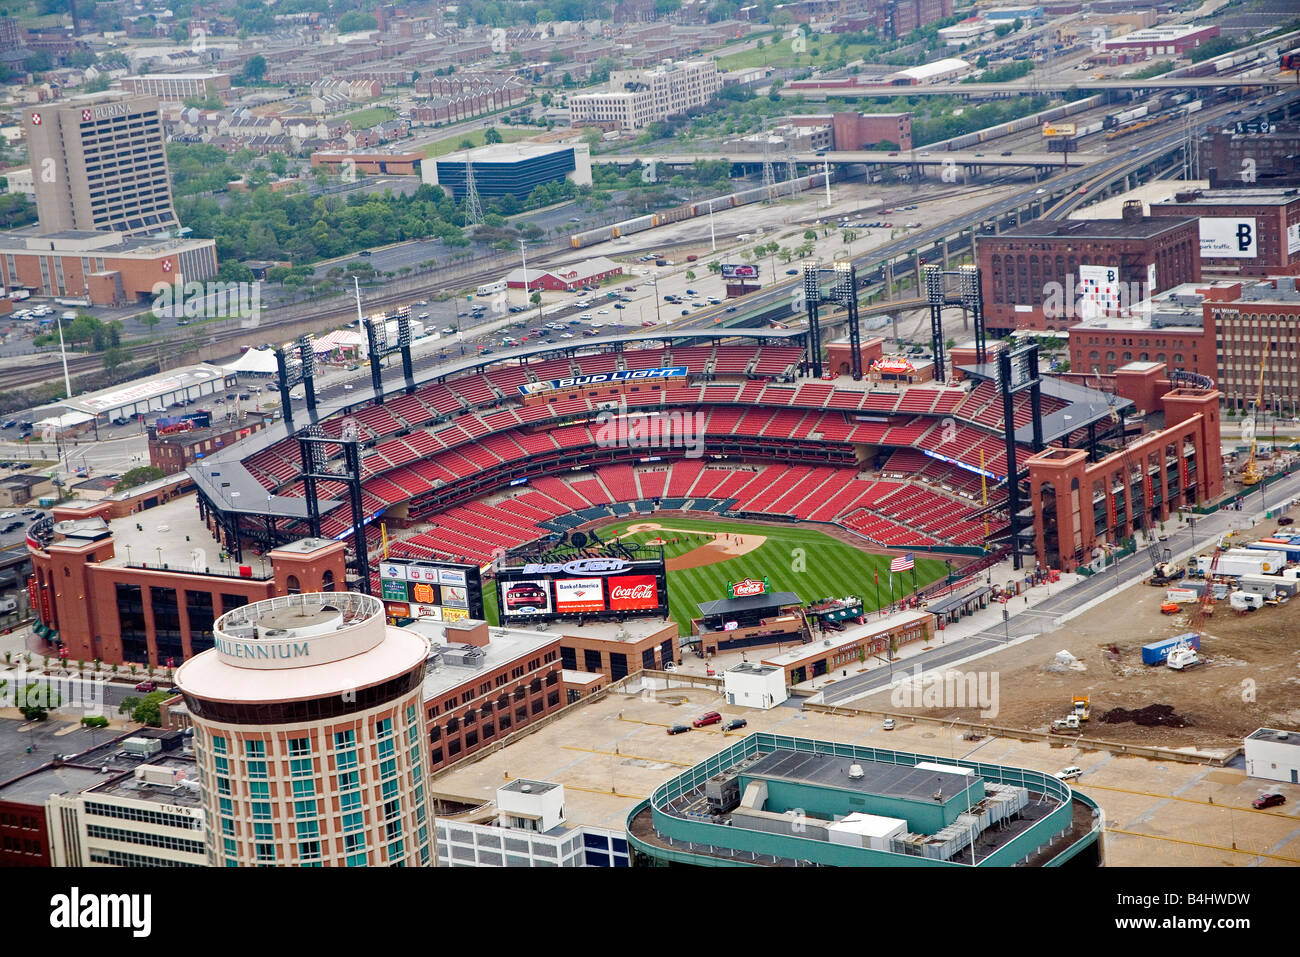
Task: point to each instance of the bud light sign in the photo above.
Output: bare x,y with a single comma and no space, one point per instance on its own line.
633,593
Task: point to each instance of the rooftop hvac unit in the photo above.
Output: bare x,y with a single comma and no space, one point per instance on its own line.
141,747
855,772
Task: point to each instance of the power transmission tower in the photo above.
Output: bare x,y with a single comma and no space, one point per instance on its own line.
473,205
791,170
769,174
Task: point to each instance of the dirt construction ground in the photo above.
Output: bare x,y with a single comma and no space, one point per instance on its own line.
1251,678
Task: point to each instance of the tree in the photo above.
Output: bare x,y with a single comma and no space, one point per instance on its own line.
355,21
690,275
138,476
810,235
491,136
591,135
715,266
146,710
465,144
94,721
115,357
254,69
38,701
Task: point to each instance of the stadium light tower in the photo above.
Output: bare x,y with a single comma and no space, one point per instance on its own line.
812,297
845,292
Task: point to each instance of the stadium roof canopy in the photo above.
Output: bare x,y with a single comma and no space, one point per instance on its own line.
1084,406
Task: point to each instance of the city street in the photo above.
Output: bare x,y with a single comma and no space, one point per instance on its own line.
1060,607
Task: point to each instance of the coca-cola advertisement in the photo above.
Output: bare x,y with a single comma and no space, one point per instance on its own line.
579,594
633,593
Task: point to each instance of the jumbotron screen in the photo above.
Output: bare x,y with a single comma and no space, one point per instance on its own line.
582,587
442,591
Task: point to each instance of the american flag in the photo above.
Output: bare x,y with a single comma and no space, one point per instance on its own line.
901,564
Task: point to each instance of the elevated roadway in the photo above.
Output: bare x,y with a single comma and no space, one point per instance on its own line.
871,157
1280,81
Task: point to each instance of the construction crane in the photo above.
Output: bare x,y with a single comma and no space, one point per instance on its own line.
1205,607
1251,475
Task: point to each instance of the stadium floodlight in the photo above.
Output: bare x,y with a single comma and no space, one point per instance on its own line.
845,280
811,290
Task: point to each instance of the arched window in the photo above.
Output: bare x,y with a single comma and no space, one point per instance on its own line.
292,586
327,580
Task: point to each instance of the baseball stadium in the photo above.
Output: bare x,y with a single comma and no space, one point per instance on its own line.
720,445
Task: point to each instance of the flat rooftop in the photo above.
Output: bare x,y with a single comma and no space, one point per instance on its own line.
1269,734
37,787
848,636
632,630
171,534
1238,197
504,153
1146,228
829,770
157,391
504,646
126,786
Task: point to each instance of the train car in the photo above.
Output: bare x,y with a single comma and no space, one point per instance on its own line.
592,236
640,224
1290,60
1192,107
1115,120
1087,129
1133,127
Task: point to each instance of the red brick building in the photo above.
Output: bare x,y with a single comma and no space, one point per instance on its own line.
1243,232
147,588
1033,276
1221,329
175,451
566,278
1081,506
860,131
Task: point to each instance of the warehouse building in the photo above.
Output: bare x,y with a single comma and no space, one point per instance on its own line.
1050,274
565,278
1172,39
1243,232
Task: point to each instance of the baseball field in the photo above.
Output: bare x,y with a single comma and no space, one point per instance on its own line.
702,556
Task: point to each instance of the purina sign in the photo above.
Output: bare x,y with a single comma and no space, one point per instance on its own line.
748,588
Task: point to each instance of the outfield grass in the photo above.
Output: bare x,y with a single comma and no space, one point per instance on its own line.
798,558
452,143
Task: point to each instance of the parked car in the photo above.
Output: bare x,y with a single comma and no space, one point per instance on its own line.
889,724
146,686
734,724
1268,800
678,729
711,717
1068,774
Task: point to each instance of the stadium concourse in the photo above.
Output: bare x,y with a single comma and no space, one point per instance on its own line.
489,456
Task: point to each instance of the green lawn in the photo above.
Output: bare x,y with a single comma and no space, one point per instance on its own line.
371,116
799,559
782,54
452,143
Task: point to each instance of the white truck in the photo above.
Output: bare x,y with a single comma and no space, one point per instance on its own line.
1244,561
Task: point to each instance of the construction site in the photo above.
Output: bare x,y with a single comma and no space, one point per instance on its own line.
1140,670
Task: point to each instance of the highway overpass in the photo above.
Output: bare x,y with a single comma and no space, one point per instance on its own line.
1020,88
873,157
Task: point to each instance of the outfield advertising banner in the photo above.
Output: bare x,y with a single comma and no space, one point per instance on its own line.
441,591
633,592
577,584
579,594
601,378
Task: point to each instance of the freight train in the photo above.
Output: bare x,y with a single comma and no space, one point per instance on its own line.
691,210
1033,121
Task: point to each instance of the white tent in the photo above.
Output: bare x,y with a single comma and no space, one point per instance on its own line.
254,360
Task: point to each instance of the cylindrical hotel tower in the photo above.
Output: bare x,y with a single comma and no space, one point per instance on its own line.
309,731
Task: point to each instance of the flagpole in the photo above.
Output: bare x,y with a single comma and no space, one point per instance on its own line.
877,589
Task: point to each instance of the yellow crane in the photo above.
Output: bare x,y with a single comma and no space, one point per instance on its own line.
1251,475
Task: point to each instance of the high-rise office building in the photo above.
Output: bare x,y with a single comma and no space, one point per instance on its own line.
309,733
98,163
